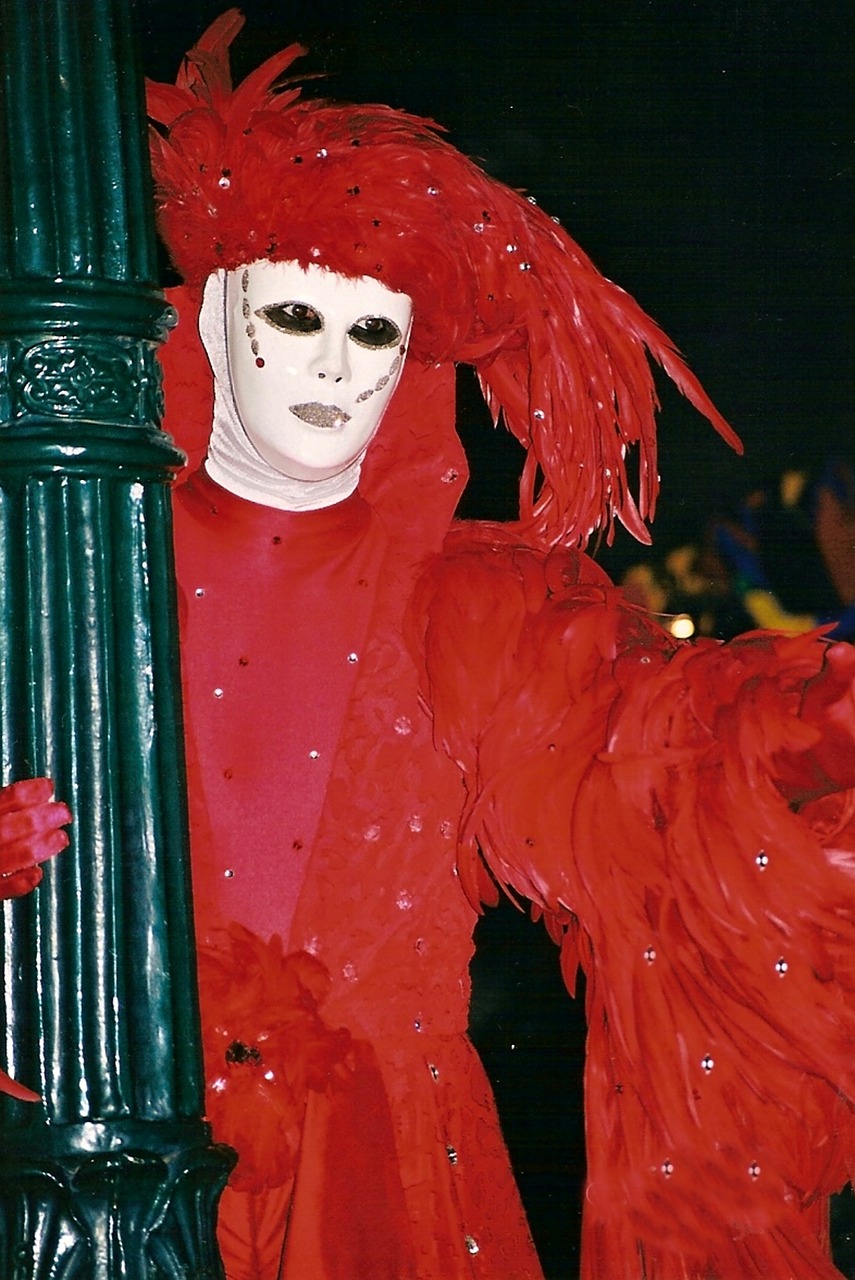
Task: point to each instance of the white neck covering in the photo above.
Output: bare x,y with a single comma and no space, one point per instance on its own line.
233,461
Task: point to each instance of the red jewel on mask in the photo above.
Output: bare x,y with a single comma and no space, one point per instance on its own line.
259,360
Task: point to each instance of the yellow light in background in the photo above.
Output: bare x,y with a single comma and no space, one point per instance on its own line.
681,626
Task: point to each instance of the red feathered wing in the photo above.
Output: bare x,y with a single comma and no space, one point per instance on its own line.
643,794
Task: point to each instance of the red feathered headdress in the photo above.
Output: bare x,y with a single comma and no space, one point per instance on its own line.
561,352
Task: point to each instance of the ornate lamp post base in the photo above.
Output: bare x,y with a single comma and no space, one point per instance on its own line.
127,1214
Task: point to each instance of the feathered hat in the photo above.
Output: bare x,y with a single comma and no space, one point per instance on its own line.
561,352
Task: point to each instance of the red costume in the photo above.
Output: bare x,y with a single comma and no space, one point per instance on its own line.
475,697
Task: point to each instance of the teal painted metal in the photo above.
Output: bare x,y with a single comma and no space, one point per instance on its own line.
114,1175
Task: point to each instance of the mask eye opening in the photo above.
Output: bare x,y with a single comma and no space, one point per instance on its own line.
377,333
294,317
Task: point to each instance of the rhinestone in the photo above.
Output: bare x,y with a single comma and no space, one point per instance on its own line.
667,1168
315,251
762,859
452,1154
433,191
754,1170
269,1075
531,199
478,226
417,1023
645,660
415,823
314,755
228,874
781,967
650,955
349,973
525,266
225,182
434,1071
353,657
403,726
218,693
707,1063
539,414
511,248
472,1244
403,901
323,153
449,476
200,591
372,833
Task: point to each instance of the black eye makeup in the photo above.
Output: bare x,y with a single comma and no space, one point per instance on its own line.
375,331
292,317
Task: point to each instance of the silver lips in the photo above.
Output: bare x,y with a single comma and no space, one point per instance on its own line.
320,415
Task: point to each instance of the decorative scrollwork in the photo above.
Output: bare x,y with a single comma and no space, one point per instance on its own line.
75,379
96,380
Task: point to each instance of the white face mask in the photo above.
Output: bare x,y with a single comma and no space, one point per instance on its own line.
314,358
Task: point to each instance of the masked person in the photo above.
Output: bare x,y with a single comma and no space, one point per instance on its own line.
389,712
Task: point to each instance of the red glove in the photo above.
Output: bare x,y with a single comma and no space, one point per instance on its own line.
31,823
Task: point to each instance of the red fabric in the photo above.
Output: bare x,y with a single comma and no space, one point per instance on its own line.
306,1109
274,610
380,906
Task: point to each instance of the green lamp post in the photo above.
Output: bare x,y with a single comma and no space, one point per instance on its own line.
113,1174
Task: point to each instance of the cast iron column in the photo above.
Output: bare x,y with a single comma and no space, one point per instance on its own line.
113,1174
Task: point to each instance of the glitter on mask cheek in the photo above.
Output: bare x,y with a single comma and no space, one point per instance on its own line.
250,325
382,381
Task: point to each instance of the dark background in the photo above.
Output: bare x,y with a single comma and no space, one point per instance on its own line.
702,153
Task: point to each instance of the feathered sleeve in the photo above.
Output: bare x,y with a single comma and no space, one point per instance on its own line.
680,814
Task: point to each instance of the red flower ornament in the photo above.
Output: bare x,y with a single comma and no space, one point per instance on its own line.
266,1046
